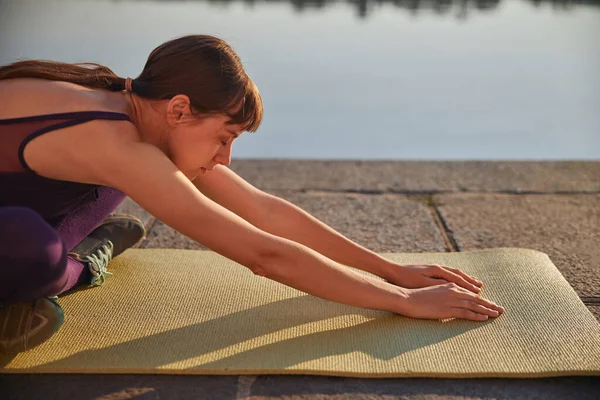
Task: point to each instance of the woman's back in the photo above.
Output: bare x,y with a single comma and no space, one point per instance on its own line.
29,96
26,97
48,129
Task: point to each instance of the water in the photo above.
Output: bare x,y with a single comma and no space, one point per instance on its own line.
421,80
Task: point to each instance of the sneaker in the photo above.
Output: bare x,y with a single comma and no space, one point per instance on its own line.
113,236
28,324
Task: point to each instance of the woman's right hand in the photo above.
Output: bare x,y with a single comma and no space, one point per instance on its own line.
447,301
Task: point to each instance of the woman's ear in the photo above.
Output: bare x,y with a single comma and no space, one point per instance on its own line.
178,109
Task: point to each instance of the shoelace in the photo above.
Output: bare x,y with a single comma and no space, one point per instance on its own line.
98,263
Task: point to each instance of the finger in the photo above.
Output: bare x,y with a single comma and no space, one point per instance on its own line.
467,277
478,308
480,300
459,280
467,314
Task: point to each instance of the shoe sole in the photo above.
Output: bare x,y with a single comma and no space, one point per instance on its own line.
121,217
126,217
45,309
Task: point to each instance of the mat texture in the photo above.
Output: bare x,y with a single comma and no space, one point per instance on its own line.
171,311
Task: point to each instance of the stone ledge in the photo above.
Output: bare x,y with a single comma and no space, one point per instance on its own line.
423,176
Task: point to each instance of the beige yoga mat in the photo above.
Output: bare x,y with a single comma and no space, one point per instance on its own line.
169,311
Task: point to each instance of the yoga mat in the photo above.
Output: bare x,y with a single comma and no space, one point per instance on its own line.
170,311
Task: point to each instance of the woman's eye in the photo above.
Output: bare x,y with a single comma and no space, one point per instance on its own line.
223,143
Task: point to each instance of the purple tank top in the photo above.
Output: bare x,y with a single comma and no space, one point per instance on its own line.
21,186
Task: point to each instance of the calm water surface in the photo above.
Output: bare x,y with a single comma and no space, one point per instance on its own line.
426,80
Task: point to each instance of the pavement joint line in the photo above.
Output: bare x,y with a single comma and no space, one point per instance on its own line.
434,192
244,386
535,192
590,300
431,203
449,241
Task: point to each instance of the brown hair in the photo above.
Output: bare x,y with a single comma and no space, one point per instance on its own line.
203,67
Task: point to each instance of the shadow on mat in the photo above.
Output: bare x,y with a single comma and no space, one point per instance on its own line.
385,336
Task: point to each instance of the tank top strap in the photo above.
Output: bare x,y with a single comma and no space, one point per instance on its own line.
15,133
74,115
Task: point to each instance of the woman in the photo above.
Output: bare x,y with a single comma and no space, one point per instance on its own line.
76,139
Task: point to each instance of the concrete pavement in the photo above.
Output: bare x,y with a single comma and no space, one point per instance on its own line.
553,207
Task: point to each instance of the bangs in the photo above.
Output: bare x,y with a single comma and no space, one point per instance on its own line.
247,109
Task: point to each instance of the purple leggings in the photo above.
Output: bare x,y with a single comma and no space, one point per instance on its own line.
33,253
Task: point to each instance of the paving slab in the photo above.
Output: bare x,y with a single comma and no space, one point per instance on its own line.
422,176
321,388
383,223
116,386
297,387
566,227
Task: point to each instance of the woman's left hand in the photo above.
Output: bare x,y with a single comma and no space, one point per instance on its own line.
413,276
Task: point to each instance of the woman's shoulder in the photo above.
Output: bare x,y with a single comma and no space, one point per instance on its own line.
73,153
24,97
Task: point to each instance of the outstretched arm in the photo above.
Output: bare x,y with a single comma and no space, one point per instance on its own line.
283,219
291,222
286,220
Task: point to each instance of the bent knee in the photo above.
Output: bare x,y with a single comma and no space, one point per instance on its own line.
28,241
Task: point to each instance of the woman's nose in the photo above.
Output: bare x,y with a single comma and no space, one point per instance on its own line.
224,157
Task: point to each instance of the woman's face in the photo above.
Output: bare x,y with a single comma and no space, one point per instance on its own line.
197,146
